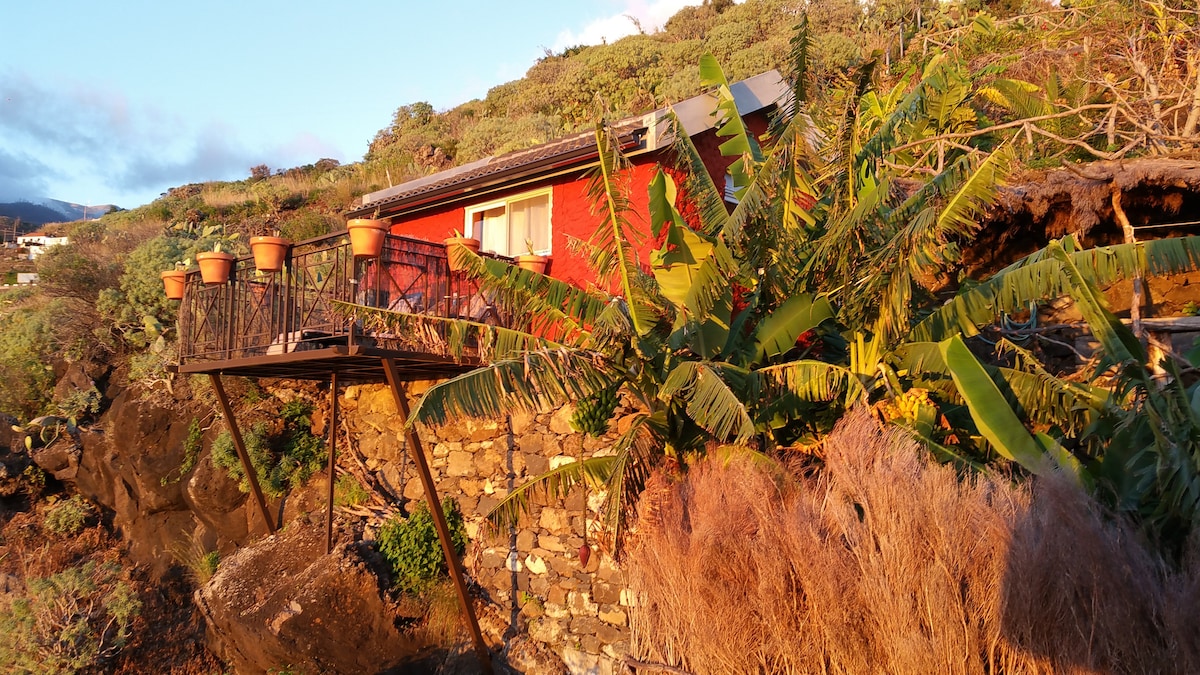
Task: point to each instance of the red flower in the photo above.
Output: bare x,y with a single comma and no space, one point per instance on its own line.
811,341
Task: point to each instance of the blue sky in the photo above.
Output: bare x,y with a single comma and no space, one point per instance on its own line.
115,102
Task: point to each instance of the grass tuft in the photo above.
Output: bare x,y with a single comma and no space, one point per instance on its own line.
885,561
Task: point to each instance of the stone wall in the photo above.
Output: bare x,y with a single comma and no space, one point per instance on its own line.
535,584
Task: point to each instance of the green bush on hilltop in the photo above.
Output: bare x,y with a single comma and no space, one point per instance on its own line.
139,292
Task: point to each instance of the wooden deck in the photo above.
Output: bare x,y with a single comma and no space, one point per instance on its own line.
283,324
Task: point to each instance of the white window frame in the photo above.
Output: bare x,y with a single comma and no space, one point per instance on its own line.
469,216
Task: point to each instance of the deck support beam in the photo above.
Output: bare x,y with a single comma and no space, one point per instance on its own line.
333,421
435,510
240,445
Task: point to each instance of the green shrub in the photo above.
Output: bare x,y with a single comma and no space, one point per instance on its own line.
140,291
79,403
191,452
68,518
306,224
298,456
224,455
76,271
347,491
297,413
303,455
199,562
65,622
28,342
411,545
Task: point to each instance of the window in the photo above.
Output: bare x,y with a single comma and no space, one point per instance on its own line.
503,227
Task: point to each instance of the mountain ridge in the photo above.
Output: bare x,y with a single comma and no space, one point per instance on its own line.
39,211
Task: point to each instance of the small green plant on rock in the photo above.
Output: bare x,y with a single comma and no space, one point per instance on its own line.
298,456
411,546
200,563
80,403
68,518
34,480
191,452
347,491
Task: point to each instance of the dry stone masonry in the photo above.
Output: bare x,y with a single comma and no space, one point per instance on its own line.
536,587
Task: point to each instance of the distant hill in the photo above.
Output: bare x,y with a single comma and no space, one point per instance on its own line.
42,211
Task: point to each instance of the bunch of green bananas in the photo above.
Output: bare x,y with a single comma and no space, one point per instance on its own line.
592,413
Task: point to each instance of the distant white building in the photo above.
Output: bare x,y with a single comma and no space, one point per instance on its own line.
38,244
26,278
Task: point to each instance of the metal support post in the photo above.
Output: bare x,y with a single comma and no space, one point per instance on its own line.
240,445
439,519
333,419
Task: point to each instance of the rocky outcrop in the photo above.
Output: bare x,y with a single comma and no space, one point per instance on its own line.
283,602
129,461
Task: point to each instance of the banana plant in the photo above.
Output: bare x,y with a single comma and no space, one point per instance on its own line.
700,345
1141,449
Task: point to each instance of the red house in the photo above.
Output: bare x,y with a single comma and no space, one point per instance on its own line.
538,197
285,323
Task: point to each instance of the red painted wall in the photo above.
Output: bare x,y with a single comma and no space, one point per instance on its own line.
571,210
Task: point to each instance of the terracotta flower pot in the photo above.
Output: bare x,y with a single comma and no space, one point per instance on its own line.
214,266
269,253
174,282
533,263
451,258
366,236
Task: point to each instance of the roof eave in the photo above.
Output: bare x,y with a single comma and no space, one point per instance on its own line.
632,143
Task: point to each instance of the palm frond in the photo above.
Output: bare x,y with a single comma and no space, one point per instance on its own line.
444,336
801,46
552,485
555,309
730,125
887,135
777,332
708,400
1031,391
791,158
710,286
843,174
614,240
529,382
808,380
698,187
991,413
1022,99
635,452
946,208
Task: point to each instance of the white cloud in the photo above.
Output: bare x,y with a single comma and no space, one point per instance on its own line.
80,143
650,14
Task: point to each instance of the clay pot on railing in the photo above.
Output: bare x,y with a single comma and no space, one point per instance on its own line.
452,256
174,281
533,262
366,236
269,253
214,266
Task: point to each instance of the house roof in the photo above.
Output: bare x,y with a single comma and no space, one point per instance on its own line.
635,134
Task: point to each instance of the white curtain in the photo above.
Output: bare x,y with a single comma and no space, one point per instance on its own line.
529,225
491,231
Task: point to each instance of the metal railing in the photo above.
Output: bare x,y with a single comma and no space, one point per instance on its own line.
263,314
